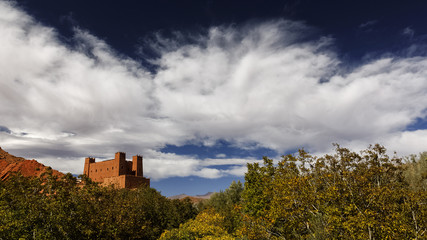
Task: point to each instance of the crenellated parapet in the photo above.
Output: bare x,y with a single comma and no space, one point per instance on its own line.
117,171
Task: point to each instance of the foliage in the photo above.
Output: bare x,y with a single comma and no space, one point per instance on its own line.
50,208
416,171
348,195
218,219
341,196
207,225
225,203
224,199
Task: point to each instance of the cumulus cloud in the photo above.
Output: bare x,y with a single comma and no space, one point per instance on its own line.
265,86
268,84
168,164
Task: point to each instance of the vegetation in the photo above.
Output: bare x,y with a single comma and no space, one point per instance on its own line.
225,203
348,195
32,208
416,172
207,225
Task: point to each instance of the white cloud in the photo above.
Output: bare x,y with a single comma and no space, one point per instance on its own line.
221,155
270,94
257,85
413,142
161,165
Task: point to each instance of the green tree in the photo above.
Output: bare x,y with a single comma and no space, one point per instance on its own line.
259,188
416,171
52,208
227,204
341,196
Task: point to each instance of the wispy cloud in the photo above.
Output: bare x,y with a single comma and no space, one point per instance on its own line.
408,32
368,24
261,84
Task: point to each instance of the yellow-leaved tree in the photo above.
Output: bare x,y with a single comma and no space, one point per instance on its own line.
347,195
207,225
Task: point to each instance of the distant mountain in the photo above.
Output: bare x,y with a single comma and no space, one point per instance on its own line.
180,196
28,168
205,196
194,199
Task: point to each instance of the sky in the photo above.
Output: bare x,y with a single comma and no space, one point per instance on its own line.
200,88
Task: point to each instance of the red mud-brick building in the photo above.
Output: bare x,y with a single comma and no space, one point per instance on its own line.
117,171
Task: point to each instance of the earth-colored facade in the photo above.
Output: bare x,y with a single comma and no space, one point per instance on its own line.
117,171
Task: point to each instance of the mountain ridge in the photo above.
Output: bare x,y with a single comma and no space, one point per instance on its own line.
10,164
194,199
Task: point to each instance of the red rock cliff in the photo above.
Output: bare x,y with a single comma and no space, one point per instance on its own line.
28,168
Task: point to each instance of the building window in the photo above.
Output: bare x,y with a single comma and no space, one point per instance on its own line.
112,168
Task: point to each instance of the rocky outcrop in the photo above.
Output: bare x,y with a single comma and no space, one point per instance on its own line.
10,164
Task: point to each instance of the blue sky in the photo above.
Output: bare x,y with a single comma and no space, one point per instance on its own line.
201,88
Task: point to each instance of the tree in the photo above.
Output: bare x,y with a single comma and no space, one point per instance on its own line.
258,188
346,195
51,208
207,225
416,171
226,203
